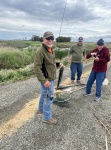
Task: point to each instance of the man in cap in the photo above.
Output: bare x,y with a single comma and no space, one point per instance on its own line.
45,70
101,58
75,60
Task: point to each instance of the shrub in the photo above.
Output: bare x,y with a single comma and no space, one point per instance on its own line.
13,59
31,53
15,75
59,53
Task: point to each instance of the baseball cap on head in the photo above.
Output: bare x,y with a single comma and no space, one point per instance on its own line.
48,34
80,39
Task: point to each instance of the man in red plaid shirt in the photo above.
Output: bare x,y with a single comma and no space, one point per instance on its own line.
101,58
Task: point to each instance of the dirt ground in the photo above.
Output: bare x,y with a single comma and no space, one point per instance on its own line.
83,124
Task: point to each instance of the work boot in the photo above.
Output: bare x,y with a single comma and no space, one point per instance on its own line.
52,121
39,112
71,83
79,82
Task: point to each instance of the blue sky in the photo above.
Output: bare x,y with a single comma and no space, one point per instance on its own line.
21,19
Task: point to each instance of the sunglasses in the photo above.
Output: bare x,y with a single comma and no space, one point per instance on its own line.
50,38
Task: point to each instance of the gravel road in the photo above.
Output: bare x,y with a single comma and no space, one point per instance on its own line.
83,125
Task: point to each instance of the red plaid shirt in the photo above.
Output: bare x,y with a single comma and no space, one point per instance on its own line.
104,58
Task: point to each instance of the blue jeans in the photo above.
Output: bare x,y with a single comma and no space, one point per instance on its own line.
99,77
45,102
76,68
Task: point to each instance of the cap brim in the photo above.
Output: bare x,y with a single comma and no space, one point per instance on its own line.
49,35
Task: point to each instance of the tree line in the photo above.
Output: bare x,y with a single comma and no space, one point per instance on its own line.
58,39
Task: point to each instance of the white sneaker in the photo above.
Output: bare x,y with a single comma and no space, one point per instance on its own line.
97,99
86,94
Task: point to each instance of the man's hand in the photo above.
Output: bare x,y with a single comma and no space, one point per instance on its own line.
47,84
93,54
86,60
96,58
69,60
61,65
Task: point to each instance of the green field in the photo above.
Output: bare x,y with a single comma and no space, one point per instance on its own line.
17,57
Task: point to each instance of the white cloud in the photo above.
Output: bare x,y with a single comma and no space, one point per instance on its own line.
86,18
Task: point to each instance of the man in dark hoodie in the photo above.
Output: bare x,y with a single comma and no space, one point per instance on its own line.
45,70
101,58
